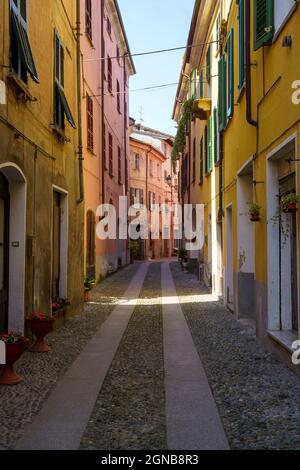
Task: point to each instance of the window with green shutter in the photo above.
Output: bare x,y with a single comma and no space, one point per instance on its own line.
230,74
242,50
222,101
263,22
215,126
201,160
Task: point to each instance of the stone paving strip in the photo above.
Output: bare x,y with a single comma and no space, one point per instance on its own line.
130,410
19,404
257,396
193,422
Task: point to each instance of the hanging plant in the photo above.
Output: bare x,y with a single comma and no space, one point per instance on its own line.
288,203
180,139
254,212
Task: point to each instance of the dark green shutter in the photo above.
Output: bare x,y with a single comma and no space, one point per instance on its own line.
201,160
241,43
210,145
222,103
230,75
263,22
206,149
208,64
216,153
201,84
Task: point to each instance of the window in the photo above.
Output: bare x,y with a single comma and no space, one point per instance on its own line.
108,24
208,64
111,154
263,22
61,107
88,18
193,84
151,199
151,168
230,74
137,162
126,114
210,144
242,44
22,61
118,97
206,150
90,122
109,74
119,165
118,54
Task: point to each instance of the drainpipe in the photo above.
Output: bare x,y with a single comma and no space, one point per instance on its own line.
250,119
146,195
125,142
103,63
80,146
221,150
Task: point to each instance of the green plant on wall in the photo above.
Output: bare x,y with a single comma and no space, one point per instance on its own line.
180,139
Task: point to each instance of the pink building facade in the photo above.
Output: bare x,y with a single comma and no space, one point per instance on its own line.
107,67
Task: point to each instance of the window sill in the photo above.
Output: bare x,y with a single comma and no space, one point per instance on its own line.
20,87
91,151
284,339
90,40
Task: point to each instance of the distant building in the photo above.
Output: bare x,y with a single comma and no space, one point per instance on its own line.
153,181
105,125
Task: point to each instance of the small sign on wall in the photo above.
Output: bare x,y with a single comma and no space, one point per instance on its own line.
2,92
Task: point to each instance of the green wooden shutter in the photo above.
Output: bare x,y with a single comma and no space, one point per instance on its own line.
222,102
263,22
210,144
206,149
230,74
201,84
216,152
201,160
241,43
208,64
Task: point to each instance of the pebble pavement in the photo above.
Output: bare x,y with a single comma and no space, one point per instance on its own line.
130,410
257,396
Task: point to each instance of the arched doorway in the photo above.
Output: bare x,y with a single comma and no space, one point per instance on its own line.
4,252
90,244
12,265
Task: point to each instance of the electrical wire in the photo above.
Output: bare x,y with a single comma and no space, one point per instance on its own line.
160,51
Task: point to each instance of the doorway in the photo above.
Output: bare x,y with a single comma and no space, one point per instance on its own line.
4,251
229,259
90,244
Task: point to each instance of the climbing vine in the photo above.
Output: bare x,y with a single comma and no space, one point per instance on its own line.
180,139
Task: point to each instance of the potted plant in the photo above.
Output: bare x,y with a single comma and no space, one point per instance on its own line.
59,308
254,212
15,345
41,325
182,257
288,203
89,284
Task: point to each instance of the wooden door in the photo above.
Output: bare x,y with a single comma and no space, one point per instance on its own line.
56,239
4,252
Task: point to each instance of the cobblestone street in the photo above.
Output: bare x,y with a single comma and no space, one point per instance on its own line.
140,391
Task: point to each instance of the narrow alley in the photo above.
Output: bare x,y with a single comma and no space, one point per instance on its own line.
142,367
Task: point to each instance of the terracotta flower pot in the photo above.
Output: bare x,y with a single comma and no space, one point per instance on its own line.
291,208
87,296
13,353
40,328
254,217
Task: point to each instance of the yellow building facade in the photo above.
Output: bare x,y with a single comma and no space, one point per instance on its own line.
257,95
41,209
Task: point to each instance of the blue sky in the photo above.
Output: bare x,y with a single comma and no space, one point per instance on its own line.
151,25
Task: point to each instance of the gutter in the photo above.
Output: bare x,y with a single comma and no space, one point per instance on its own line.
103,163
79,97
